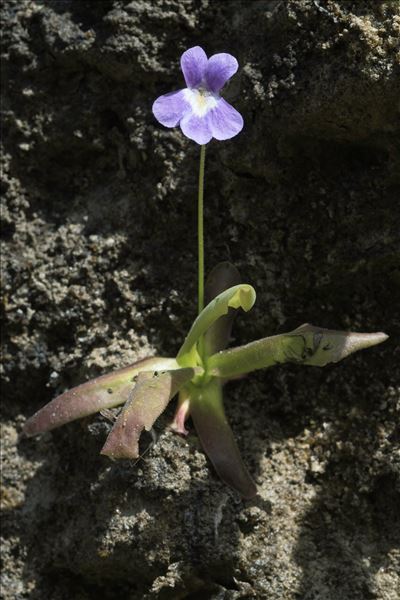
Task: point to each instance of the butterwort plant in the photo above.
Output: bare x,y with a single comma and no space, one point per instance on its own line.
204,363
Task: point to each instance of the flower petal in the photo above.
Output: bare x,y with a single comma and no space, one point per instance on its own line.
224,121
196,128
219,69
193,65
170,108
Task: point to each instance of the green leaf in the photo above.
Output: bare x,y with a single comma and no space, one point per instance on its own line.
307,345
106,391
223,276
239,296
208,414
148,400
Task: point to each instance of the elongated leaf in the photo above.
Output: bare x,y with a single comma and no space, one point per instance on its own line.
307,345
106,391
223,276
239,296
149,399
217,439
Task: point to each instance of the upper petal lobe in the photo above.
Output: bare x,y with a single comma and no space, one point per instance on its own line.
170,108
224,121
194,64
219,69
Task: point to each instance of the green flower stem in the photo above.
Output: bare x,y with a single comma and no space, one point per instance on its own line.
200,230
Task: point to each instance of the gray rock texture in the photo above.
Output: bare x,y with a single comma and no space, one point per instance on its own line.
99,269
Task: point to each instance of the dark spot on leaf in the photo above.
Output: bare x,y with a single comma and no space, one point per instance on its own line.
317,337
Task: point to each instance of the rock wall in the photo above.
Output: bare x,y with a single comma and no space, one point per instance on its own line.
99,269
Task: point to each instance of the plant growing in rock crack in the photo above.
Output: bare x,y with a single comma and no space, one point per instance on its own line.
203,364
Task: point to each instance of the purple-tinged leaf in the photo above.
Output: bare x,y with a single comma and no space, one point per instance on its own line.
208,414
149,399
307,345
223,276
103,392
182,412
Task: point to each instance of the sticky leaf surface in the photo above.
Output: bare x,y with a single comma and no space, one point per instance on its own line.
103,392
307,345
148,400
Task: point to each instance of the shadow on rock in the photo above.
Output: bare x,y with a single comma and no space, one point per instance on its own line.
350,534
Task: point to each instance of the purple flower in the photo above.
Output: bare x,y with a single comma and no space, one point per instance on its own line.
199,109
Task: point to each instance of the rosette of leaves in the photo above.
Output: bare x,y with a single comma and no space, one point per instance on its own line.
198,372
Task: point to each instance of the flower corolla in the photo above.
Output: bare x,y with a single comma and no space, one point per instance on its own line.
199,109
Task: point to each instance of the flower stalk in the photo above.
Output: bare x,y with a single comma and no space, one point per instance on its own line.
200,229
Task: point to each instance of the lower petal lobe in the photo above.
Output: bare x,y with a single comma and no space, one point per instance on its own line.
196,128
170,108
224,121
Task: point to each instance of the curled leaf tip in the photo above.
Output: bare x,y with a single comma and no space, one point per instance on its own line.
239,296
245,298
223,276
